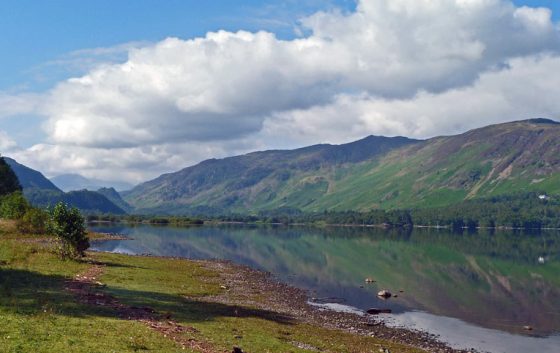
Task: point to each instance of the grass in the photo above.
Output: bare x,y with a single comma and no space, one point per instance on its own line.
39,315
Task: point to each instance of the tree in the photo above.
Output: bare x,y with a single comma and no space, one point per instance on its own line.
69,226
8,180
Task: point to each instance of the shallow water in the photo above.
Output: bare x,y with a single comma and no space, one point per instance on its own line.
473,290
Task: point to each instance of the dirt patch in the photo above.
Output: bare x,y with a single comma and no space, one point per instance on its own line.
88,290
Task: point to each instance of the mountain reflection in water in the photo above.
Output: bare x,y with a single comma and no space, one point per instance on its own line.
498,281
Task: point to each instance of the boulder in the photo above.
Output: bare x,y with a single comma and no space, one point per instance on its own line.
384,294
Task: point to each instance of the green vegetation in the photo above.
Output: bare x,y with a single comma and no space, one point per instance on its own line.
87,201
13,206
374,173
39,314
68,226
157,220
41,192
8,180
527,211
33,221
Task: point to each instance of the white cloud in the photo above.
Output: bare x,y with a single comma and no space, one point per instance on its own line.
416,68
222,86
527,89
6,143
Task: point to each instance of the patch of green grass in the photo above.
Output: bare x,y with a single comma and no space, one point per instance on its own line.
39,315
178,287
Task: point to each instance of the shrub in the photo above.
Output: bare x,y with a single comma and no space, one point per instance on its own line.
69,226
13,206
34,221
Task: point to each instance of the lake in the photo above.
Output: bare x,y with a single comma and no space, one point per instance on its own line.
473,290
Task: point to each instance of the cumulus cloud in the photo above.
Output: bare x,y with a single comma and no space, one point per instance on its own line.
416,68
224,85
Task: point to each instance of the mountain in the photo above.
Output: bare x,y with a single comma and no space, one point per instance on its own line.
8,180
41,192
268,179
30,178
70,182
112,195
376,172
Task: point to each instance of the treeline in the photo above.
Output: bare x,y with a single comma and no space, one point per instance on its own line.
161,220
527,210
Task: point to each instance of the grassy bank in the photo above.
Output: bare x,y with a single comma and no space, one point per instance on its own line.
39,313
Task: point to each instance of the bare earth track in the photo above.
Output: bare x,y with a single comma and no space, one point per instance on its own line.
86,288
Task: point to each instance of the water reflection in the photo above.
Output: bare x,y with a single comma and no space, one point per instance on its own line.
493,281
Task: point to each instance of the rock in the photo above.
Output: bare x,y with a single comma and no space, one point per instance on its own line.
384,294
375,311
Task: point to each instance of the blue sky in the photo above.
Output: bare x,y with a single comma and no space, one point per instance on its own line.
40,32
332,84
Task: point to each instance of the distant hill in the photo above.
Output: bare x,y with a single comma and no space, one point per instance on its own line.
30,178
376,172
115,197
71,182
42,192
8,180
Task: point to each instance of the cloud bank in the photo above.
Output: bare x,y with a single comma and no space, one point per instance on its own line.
392,67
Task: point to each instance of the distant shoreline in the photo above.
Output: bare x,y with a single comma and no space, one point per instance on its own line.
315,225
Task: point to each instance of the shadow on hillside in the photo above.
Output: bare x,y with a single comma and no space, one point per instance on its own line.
30,293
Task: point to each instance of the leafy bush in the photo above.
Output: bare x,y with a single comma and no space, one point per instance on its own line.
34,221
13,206
69,226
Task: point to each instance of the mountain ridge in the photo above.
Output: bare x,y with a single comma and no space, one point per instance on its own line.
374,172
41,192
73,182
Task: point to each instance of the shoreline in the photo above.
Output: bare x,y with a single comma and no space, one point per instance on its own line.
245,286
314,225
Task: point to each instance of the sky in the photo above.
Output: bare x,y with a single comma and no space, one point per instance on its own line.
128,90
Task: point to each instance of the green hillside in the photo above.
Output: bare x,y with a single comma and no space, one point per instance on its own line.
41,192
112,195
375,172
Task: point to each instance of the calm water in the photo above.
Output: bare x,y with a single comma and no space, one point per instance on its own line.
473,290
